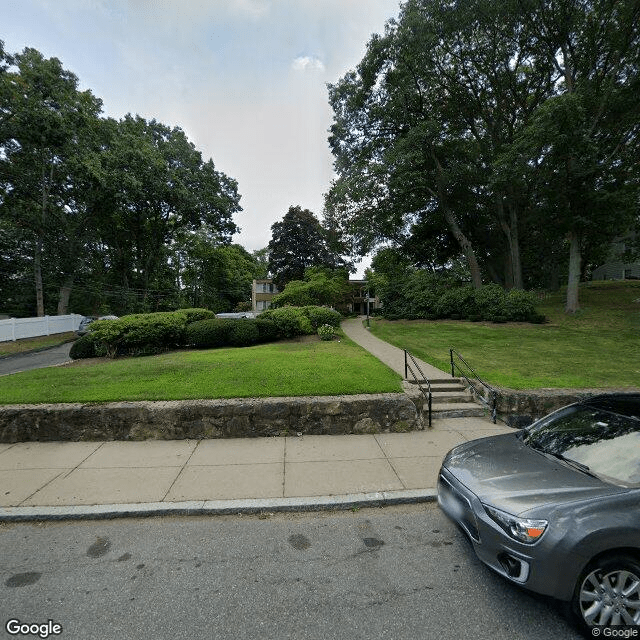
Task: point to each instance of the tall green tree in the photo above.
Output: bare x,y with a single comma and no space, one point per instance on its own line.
436,132
45,131
580,150
298,242
216,276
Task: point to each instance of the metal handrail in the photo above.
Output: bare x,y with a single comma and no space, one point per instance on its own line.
493,394
407,369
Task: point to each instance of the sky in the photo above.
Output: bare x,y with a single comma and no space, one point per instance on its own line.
245,79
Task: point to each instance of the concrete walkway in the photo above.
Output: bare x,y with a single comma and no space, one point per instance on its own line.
42,480
392,356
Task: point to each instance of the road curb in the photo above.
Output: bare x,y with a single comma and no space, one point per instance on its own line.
216,507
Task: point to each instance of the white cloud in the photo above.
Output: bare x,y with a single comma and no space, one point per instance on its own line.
302,63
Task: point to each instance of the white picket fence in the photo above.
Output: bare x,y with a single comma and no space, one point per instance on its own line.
16,328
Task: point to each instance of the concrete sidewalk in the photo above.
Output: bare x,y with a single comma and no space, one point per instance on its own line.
41,480
392,356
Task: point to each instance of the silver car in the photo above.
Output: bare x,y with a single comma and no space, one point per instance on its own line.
555,507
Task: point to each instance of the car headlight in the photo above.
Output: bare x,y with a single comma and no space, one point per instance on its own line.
522,529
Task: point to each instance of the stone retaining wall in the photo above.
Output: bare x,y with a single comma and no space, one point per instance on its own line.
521,408
209,418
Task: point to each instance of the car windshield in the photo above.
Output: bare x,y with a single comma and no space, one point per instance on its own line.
607,443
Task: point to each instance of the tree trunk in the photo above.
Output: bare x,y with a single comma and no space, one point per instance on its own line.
575,258
465,245
65,292
513,275
37,273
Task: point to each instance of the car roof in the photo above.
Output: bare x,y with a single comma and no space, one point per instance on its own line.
626,404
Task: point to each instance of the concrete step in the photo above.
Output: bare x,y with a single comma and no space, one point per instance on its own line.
457,410
439,382
446,388
442,397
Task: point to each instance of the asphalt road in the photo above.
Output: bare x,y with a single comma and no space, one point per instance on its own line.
38,360
397,572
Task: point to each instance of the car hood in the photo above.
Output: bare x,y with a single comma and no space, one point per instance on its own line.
502,471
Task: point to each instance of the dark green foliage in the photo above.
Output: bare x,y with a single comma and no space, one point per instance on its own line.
106,216
193,315
521,306
321,286
322,315
298,242
267,329
205,334
429,296
290,321
141,334
86,347
491,302
243,333
458,303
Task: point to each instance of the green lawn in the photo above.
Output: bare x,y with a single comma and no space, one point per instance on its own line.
311,368
599,347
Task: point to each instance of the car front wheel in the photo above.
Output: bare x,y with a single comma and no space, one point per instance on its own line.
608,592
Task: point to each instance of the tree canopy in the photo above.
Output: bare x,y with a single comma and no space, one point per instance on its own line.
105,215
501,132
298,242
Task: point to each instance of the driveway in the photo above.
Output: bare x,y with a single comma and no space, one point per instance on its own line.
38,360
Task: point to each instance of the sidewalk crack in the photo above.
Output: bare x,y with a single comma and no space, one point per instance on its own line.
388,459
181,470
284,467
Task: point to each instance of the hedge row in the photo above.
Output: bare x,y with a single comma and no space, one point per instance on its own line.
490,302
272,324
146,334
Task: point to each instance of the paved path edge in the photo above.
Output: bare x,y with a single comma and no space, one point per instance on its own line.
217,507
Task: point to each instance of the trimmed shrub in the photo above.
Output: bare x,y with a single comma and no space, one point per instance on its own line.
457,303
243,333
520,305
267,329
290,321
86,347
319,316
491,302
326,332
205,334
193,315
140,334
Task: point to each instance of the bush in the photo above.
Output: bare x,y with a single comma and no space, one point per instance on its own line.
457,303
520,305
267,329
86,347
319,316
289,321
326,332
140,334
243,333
193,315
205,334
491,302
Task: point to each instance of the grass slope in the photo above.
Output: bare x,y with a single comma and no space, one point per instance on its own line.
278,369
598,347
